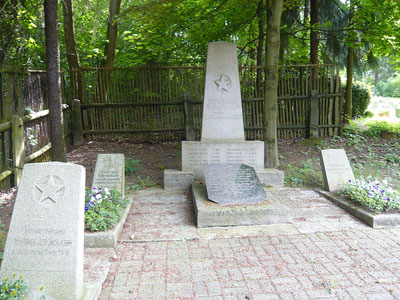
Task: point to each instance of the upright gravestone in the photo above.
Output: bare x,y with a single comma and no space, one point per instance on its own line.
110,172
45,239
222,108
336,169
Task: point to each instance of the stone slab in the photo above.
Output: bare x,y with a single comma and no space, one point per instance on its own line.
109,238
177,180
45,239
336,168
271,177
110,172
222,108
233,184
373,220
210,214
196,155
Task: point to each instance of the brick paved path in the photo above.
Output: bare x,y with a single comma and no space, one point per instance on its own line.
171,259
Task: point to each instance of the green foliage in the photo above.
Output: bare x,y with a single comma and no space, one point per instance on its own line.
390,87
141,183
132,166
103,208
15,289
392,158
373,129
361,100
373,195
304,174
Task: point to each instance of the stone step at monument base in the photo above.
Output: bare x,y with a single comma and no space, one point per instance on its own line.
210,214
180,180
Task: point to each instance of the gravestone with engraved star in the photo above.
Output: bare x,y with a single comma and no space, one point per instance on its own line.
222,108
45,239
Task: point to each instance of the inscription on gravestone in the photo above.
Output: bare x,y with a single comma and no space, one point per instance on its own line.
233,184
110,172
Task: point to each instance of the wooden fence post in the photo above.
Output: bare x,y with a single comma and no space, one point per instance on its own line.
77,128
18,147
314,114
189,123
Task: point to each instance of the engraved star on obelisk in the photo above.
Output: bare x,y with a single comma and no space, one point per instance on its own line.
49,190
223,83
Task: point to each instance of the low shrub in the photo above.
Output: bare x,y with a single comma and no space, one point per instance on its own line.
15,289
361,98
132,166
373,195
103,208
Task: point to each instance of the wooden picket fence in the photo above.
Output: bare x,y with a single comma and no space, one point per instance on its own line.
24,124
148,103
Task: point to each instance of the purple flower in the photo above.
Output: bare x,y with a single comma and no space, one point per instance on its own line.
86,208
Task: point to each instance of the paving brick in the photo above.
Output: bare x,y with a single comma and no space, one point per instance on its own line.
337,258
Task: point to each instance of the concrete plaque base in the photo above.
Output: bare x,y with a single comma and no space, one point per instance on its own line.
210,214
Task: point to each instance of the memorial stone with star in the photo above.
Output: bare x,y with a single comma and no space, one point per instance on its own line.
45,239
222,133
222,109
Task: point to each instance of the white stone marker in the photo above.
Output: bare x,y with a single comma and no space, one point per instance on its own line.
45,239
335,168
110,172
222,109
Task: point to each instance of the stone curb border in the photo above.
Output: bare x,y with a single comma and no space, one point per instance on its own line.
375,221
109,238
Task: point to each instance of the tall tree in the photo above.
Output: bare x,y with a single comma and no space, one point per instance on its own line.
72,52
274,13
260,45
314,42
109,49
58,151
112,34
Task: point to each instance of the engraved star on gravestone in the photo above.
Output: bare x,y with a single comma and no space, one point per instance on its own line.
223,83
49,187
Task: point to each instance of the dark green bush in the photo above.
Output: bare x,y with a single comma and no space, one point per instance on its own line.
361,99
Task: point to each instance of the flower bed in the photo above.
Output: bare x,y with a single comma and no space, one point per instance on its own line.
375,196
103,208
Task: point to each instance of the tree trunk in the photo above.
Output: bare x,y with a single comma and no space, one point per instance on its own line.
314,43
306,10
260,46
274,13
109,49
349,82
58,152
72,52
112,31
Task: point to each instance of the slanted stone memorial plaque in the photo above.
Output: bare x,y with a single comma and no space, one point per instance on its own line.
233,184
45,239
335,168
110,172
